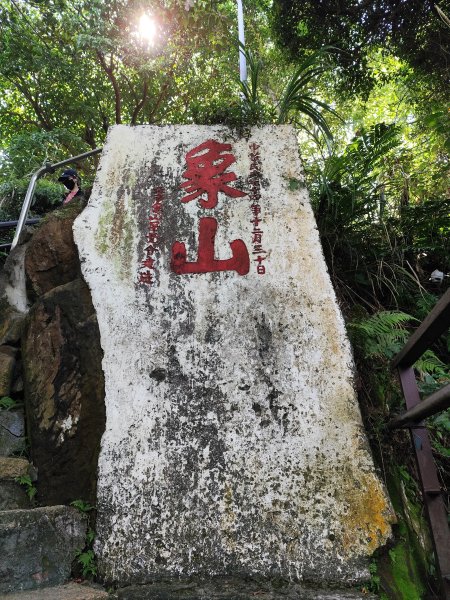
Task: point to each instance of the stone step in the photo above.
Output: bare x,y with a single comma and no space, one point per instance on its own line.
13,496
234,588
11,468
38,546
69,591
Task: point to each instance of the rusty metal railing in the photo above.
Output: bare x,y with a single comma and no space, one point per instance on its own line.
437,322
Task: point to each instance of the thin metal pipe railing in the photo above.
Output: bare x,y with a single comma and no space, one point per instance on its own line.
13,224
48,168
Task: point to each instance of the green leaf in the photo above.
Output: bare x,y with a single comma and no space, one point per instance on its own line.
82,506
7,403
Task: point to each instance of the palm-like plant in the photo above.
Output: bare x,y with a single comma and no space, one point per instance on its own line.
296,98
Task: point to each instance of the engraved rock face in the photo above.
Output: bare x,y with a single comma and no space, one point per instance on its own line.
233,440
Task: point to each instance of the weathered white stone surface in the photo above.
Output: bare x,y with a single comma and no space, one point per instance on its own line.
14,283
233,441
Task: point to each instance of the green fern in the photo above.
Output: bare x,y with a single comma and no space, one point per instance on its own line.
430,364
87,562
383,334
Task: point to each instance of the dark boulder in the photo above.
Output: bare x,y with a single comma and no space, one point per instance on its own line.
38,546
51,257
64,392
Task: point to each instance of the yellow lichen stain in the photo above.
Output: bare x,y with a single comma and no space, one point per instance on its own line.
335,338
367,521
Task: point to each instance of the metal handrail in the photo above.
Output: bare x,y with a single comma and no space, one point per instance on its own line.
432,327
429,330
48,168
13,224
428,407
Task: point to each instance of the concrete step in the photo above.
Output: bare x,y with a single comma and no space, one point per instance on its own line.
234,588
37,546
69,591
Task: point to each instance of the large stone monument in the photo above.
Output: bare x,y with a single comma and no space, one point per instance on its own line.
233,442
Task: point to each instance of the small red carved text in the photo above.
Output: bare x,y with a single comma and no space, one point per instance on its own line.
258,251
147,268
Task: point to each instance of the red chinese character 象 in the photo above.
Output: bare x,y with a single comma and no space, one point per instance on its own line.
206,166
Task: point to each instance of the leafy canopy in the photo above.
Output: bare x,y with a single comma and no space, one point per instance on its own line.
413,30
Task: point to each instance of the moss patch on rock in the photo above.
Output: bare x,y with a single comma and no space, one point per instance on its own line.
405,569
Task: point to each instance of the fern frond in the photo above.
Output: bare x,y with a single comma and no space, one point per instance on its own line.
430,364
382,334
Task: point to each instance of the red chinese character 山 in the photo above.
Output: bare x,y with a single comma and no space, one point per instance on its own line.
206,263
206,175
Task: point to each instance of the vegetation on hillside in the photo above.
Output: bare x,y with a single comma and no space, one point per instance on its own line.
365,83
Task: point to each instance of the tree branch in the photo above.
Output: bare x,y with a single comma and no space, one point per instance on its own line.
25,91
140,105
112,78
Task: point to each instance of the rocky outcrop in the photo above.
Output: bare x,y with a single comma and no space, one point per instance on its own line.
51,358
64,392
51,259
38,546
12,432
10,325
12,494
7,362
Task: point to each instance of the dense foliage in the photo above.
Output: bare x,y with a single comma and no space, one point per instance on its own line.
411,29
366,85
